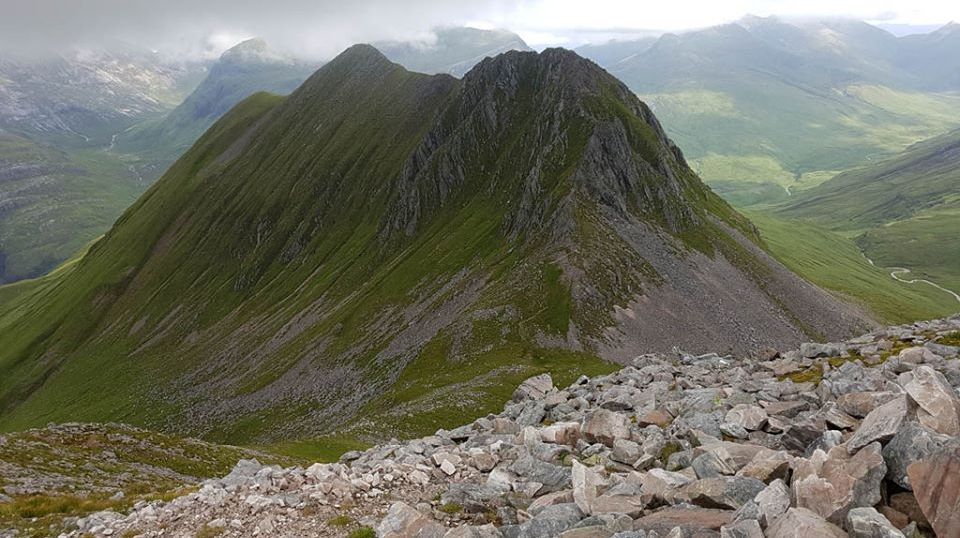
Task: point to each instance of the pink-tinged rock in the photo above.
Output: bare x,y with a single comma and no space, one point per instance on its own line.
534,388
561,433
936,486
750,417
767,466
830,484
859,404
692,519
655,417
881,424
802,523
403,521
603,426
939,406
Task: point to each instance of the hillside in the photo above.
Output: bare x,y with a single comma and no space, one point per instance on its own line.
765,107
861,440
391,250
245,69
58,188
903,211
453,50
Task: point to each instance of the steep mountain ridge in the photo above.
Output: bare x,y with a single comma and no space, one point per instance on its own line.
391,248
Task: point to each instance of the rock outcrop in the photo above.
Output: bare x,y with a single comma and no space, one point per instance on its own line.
589,468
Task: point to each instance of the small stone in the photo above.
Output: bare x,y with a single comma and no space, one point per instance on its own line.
448,467
728,492
860,404
866,522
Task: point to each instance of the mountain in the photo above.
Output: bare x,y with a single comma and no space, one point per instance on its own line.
933,57
453,51
611,53
247,68
391,250
765,107
59,188
904,211
92,138
82,97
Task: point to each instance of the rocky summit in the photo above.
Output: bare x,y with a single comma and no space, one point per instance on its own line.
858,438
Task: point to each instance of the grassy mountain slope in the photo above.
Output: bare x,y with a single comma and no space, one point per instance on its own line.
243,70
903,211
52,202
454,51
835,262
764,107
393,251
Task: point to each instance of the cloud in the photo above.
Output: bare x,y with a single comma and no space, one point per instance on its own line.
310,28
321,28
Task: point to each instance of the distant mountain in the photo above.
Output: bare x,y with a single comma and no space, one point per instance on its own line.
59,189
934,57
245,69
82,97
905,210
765,107
612,53
90,133
391,250
454,51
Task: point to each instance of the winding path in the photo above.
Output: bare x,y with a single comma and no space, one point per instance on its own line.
897,271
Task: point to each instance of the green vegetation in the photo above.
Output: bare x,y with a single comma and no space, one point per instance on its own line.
835,263
363,532
759,109
142,465
301,266
340,521
902,212
952,339
451,508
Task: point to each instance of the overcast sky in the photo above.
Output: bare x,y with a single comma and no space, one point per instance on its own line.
321,28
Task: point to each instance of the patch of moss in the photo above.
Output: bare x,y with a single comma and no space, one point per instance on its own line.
451,508
363,532
950,339
340,521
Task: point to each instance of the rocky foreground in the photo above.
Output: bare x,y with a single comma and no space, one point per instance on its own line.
854,439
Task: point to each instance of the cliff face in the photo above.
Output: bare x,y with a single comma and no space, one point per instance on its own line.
386,249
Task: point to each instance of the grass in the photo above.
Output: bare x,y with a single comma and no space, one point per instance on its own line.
363,532
835,263
451,508
340,521
902,211
951,339
207,531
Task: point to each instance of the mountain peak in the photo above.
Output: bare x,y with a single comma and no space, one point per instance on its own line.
253,50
